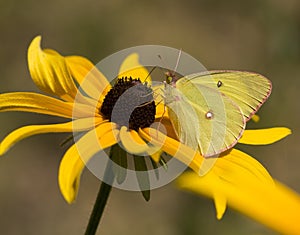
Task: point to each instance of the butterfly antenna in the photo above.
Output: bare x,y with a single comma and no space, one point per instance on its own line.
168,73
161,59
178,58
150,73
172,73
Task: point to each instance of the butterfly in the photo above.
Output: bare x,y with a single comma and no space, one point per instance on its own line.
209,110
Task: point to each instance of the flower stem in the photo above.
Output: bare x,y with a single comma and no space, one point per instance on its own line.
101,200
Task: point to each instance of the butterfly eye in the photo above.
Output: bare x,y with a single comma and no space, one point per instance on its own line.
169,79
219,83
209,115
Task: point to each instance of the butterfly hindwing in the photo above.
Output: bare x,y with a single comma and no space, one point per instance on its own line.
203,118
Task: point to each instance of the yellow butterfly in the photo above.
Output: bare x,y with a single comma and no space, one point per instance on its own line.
209,110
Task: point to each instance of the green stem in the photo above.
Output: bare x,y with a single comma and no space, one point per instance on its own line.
101,200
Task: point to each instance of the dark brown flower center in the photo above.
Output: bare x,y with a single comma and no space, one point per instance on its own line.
129,103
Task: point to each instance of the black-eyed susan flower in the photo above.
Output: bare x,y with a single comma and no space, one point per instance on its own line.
236,179
91,113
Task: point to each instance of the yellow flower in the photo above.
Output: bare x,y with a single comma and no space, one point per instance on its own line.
242,183
59,76
238,180
235,179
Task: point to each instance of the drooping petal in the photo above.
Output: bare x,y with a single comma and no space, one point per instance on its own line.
246,186
37,103
79,154
156,156
264,136
27,131
220,204
238,167
277,207
132,142
242,165
132,68
50,72
251,164
173,147
90,79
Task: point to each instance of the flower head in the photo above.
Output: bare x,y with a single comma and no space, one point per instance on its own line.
102,113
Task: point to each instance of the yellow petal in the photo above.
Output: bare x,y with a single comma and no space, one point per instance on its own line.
132,142
264,136
161,111
37,103
237,159
234,168
79,154
276,207
91,80
206,185
50,72
238,167
132,68
207,165
173,147
156,156
27,131
220,204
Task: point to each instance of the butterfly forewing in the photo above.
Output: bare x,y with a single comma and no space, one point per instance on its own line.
248,90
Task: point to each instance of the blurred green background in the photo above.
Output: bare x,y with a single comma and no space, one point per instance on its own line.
261,36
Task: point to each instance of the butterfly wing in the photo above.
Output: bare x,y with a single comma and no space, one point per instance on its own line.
204,118
248,90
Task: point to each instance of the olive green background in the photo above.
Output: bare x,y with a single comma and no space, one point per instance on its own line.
261,36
